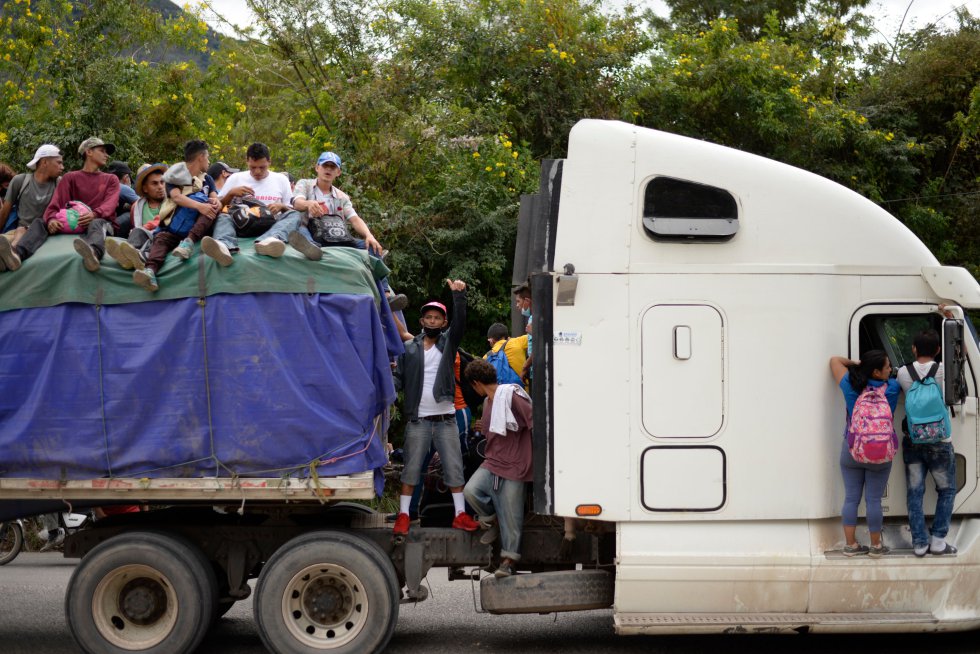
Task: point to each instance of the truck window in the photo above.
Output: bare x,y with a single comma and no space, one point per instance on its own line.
894,334
674,209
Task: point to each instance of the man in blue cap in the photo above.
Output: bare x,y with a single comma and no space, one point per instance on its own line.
319,197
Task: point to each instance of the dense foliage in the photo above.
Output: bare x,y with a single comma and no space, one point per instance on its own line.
442,109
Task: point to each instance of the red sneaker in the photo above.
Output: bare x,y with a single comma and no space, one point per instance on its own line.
401,524
465,522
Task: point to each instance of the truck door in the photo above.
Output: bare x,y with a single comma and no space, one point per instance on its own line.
892,328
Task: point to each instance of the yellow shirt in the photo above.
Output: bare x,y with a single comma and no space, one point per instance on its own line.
516,352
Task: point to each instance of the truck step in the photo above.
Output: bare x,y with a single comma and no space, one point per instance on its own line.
651,623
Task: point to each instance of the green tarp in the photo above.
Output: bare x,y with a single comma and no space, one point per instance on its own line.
54,275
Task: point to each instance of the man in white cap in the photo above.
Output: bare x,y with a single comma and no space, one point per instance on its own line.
30,194
98,191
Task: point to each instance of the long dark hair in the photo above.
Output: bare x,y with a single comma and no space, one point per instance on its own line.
861,372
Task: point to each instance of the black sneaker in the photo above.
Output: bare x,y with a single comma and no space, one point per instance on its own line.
855,550
878,551
307,248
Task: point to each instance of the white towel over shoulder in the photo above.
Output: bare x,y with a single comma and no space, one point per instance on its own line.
502,417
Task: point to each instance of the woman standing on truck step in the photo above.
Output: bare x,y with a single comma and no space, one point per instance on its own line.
871,373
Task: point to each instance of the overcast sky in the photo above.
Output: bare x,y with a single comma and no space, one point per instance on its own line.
888,12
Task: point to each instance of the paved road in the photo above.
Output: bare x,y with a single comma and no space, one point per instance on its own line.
32,622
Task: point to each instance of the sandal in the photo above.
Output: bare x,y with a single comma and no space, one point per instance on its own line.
949,549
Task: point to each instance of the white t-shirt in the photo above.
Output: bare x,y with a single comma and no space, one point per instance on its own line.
905,379
428,405
274,188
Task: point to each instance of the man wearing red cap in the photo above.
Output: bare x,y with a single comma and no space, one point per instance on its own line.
425,372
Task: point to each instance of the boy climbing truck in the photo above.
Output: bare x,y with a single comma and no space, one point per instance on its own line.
682,412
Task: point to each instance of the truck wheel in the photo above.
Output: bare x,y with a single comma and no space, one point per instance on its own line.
11,541
548,592
327,590
142,592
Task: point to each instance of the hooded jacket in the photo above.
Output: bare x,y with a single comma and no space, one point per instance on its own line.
411,365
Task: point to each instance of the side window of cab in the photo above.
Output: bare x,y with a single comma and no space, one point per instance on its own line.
679,210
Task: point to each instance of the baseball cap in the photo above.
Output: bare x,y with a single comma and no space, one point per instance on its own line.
329,157
219,167
94,142
119,168
435,305
46,150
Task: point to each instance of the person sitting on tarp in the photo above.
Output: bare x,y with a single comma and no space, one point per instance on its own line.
127,196
84,202
187,215
144,218
319,197
271,189
29,195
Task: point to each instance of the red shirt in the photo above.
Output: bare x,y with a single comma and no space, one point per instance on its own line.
98,191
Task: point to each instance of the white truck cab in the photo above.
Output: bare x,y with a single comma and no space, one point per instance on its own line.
687,299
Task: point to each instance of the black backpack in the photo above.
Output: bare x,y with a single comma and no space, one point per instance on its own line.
473,399
251,217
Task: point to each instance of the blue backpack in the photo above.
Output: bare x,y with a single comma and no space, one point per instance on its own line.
505,374
925,408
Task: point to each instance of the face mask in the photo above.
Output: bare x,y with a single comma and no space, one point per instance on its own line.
526,313
432,332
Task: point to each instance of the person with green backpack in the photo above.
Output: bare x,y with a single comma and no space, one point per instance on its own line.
927,446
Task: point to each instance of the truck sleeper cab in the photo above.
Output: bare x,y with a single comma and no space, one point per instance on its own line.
687,298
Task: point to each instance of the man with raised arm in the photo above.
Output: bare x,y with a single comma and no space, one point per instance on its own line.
425,372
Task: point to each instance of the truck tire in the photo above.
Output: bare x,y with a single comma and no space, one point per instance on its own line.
11,541
141,592
327,591
548,592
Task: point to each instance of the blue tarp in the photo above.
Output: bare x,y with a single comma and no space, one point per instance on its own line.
256,384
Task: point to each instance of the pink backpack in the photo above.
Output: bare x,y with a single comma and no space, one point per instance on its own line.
871,431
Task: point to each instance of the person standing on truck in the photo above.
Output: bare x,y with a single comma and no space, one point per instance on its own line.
515,349
425,373
853,377
29,195
927,446
522,298
496,489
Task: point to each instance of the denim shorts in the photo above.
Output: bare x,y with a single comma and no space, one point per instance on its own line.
422,434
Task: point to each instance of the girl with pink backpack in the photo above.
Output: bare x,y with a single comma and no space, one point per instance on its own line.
869,443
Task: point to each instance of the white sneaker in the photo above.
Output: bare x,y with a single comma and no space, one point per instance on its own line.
128,256
112,249
184,250
216,250
270,247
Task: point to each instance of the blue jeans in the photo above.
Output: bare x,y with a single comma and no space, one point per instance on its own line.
937,458
289,222
224,231
869,478
490,494
422,434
